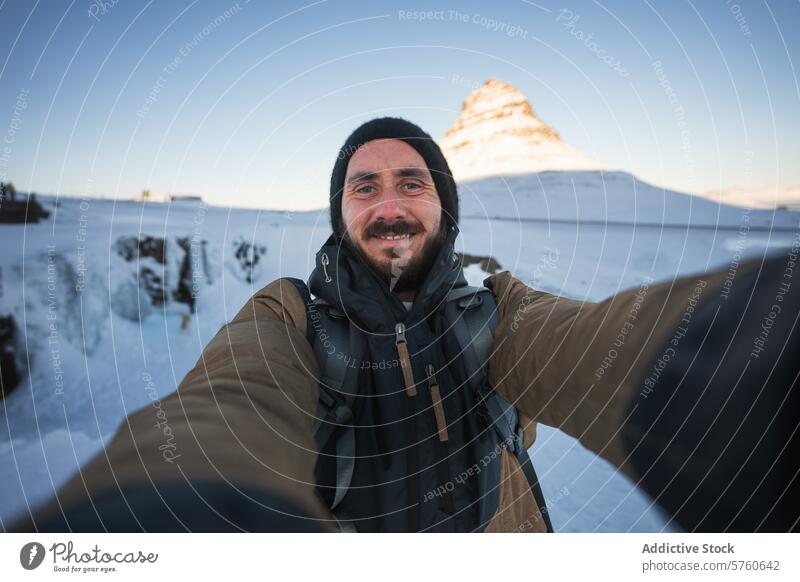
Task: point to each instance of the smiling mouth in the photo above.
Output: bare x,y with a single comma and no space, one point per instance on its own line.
391,237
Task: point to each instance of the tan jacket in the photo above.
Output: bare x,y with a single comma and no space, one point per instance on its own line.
245,413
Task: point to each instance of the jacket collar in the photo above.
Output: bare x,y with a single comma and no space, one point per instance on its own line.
345,280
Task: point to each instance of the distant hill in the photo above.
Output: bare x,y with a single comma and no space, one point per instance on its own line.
774,196
605,197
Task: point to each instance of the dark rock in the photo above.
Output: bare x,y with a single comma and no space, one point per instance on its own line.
488,264
131,248
14,211
10,371
186,269
153,284
247,255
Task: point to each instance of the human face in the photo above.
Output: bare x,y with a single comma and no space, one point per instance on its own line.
391,211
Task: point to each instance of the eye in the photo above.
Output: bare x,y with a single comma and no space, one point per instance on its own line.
364,190
412,186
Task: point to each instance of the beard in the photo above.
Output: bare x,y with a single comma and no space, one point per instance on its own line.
402,272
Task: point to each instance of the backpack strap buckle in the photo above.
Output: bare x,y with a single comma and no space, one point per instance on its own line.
470,302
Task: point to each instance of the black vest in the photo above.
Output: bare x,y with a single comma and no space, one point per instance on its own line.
409,435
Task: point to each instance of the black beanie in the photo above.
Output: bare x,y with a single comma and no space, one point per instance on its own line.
413,135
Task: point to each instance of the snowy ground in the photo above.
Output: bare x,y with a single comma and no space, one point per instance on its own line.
88,367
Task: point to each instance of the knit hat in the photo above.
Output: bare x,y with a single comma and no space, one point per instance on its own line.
413,135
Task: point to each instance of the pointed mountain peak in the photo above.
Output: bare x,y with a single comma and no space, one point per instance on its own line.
497,133
503,106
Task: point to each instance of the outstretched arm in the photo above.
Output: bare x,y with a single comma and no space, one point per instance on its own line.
234,443
576,365
689,386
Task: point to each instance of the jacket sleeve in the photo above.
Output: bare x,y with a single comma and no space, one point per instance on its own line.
242,417
577,365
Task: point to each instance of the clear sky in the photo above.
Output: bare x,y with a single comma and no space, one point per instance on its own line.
246,103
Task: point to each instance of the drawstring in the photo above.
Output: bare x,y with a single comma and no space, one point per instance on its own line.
325,262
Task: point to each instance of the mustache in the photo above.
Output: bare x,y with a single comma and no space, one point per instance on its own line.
397,227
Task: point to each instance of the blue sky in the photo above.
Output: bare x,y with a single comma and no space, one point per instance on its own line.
247,103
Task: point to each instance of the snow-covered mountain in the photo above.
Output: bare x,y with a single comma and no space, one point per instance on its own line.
497,133
511,164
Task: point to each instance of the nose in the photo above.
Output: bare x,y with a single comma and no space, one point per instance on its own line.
389,207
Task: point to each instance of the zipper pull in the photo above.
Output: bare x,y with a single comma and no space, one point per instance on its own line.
325,263
405,359
438,407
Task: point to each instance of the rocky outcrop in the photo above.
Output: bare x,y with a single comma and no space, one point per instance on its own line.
487,264
169,274
246,264
19,209
157,272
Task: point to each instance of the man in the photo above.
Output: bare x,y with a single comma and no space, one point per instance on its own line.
244,419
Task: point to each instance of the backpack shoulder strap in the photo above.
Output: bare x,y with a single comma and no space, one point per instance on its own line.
472,314
472,311
328,332
470,302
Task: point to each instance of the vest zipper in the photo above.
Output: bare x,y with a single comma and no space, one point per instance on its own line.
405,359
438,408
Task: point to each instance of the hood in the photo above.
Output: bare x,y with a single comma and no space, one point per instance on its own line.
345,280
